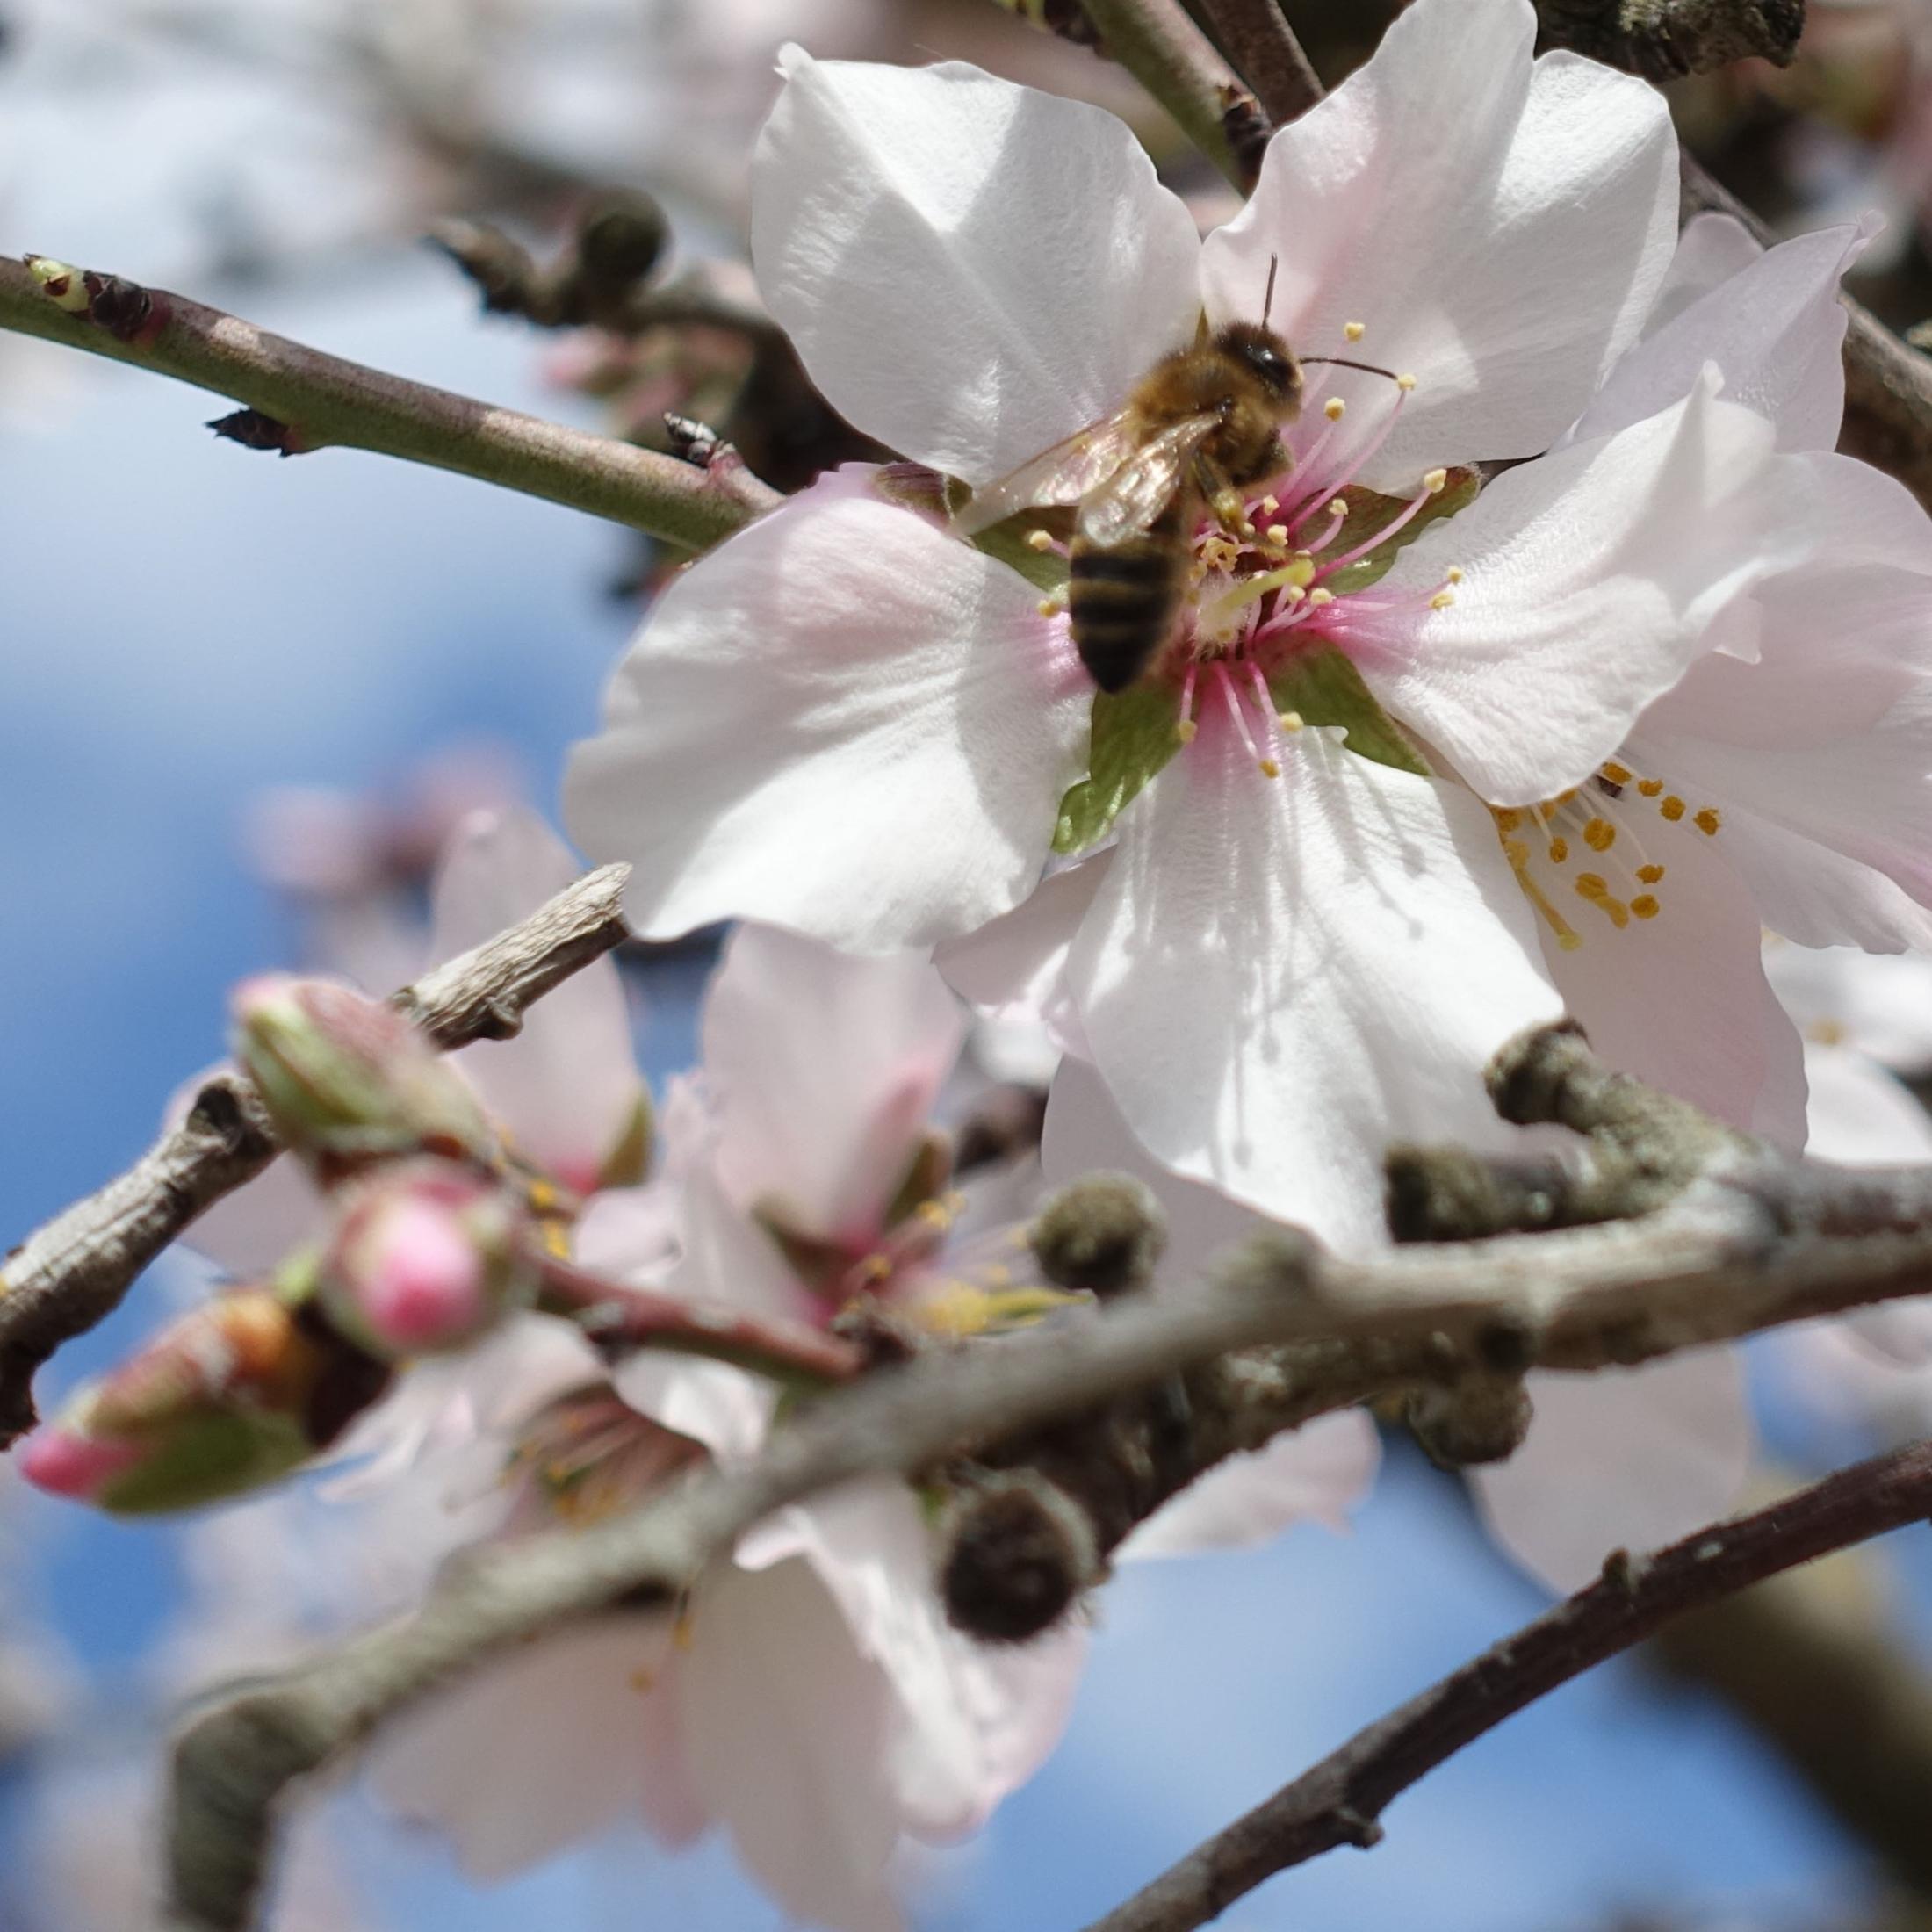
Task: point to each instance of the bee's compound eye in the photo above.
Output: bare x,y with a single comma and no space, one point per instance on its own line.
1273,368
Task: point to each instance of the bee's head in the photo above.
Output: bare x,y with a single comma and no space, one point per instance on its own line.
1265,354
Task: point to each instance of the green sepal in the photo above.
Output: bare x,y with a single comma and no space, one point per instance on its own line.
207,1458
629,1161
1369,512
1325,689
1133,735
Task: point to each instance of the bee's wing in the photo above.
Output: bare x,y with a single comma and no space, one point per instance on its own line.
1132,500
1070,470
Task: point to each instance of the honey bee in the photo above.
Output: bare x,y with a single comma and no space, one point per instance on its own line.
1200,424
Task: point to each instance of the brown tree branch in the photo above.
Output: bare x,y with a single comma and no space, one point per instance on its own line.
319,399
1663,40
1175,61
1258,39
1750,1240
72,1273
1340,1801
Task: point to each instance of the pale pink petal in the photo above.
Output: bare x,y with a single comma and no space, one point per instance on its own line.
973,1722
1017,960
1774,328
1280,978
788,1731
1710,250
632,1234
1625,1458
1591,576
1501,232
843,721
1317,1472
1680,1000
546,1747
822,1070
567,1087
970,271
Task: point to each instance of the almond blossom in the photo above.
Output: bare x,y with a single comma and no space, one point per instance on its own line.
809,1697
848,721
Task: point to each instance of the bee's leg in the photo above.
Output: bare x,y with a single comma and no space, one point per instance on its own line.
1223,499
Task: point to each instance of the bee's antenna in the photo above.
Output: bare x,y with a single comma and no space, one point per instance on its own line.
1342,362
1267,300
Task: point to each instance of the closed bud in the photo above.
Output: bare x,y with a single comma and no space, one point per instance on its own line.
1017,1553
226,1400
1483,1419
425,1256
348,1081
1105,1234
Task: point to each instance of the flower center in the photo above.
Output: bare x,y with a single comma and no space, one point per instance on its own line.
590,1455
1587,844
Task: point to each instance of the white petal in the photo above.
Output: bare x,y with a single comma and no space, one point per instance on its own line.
1710,250
1017,960
567,1087
843,721
822,1070
1317,1472
787,1730
970,271
1591,577
1774,328
1680,1000
1279,979
1879,1005
548,1746
1625,1458
1499,232
635,1234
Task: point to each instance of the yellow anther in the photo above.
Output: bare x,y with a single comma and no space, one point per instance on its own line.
1618,775
1453,574
1048,607
1599,835
1507,817
1644,906
1039,540
1649,874
1591,887
1321,595
1650,787
1405,383
1335,409
1436,481
1335,506
1354,331
642,1681
1559,851
1269,768
1184,731
1672,808
934,1213
1269,504
1707,822
680,1632
1442,599
875,1267
1289,721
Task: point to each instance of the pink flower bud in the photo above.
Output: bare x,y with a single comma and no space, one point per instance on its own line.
64,1462
425,1256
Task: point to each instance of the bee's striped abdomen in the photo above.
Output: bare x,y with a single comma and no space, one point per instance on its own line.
1121,599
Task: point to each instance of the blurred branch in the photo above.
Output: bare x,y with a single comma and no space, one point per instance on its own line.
72,1273
1750,1239
322,400
1175,61
1663,40
1339,1801
1816,1666
1258,40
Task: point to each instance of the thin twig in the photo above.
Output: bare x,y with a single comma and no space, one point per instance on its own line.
1176,62
1340,1801
72,1273
321,400
1257,37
